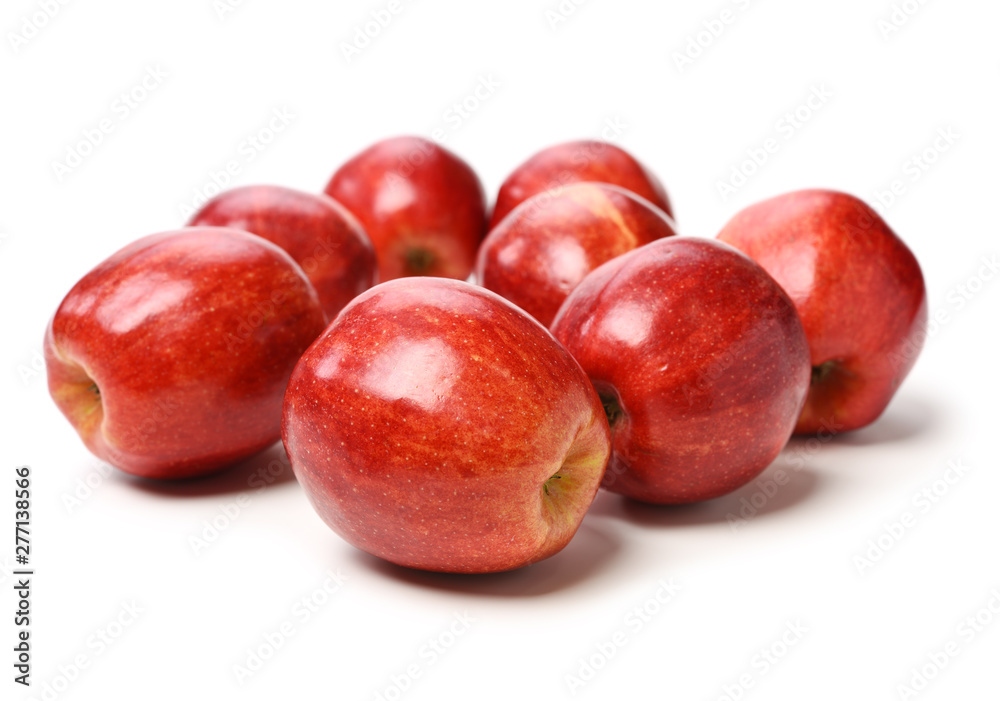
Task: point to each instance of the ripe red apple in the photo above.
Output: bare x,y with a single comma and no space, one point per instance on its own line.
548,244
171,357
700,360
858,289
578,161
422,206
325,239
437,426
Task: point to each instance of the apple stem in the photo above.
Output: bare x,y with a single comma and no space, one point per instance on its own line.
95,389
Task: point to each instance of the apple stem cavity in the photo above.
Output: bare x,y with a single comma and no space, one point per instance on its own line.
419,261
822,371
612,409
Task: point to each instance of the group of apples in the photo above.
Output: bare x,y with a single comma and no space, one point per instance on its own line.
460,427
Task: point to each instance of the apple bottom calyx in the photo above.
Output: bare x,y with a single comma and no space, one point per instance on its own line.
79,395
545,486
831,381
453,466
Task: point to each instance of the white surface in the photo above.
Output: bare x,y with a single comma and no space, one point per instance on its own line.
739,589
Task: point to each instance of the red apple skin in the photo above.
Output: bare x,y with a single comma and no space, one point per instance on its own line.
423,207
548,244
171,357
578,161
325,239
858,289
700,360
437,426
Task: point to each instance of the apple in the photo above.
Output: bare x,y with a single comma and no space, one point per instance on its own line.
548,244
171,357
700,361
858,289
578,161
325,239
439,427
423,207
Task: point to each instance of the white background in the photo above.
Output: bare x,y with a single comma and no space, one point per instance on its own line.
739,588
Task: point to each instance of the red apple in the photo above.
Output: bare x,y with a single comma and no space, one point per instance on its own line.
423,207
548,244
171,357
318,232
700,360
858,289
437,426
578,161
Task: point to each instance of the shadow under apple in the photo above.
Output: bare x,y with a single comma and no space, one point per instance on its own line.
268,468
906,417
592,549
781,486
